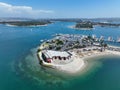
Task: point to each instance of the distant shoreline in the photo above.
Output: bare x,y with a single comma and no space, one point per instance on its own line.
73,27
26,23
10,25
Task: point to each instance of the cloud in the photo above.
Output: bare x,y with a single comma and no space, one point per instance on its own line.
8,10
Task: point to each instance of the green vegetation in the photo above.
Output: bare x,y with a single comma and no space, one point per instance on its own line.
84,25
50,47
38,50
27,23
59,42
58,48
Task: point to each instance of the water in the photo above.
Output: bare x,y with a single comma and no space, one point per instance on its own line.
19,68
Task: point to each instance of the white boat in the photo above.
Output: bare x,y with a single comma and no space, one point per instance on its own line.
118,40
110,39
41,40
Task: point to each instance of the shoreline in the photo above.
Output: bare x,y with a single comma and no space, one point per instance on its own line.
73,67
73,27
9,25
80,63
72,58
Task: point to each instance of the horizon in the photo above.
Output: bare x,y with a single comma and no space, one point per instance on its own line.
60,9
58,18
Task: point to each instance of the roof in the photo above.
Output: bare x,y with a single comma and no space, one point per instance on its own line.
50,53
97,44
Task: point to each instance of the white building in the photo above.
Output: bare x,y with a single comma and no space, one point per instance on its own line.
56,57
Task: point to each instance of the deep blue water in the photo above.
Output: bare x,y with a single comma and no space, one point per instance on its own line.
19,68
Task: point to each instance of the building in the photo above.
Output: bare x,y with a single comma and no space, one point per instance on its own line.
55,57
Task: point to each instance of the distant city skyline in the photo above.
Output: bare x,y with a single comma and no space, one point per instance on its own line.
60,9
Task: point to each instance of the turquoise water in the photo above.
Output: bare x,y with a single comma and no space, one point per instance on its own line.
19,68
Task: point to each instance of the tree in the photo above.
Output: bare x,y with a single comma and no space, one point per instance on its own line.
38,50
59,42
58,48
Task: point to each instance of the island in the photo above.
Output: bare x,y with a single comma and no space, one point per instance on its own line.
84,25
66,52
89,25
26,23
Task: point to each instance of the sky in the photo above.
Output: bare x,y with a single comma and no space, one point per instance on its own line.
60,8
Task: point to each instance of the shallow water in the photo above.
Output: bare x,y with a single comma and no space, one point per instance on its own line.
20,70
50,79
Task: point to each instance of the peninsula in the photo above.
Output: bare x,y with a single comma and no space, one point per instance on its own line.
67,52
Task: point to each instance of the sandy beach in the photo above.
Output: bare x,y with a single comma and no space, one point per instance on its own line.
74,59
73,67
79,62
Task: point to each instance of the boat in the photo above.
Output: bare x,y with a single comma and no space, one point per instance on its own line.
41,40
110,39
118,40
